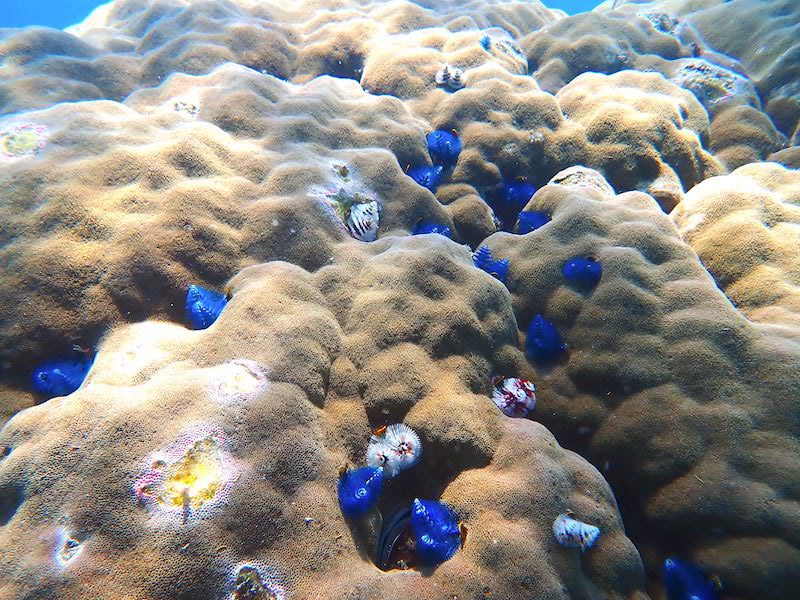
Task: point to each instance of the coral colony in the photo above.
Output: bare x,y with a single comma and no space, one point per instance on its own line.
361,173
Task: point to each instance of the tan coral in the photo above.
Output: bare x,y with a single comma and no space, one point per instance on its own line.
665,386
657,37
765,42
744,227
206,460
590,42
251,480
143,202
653,122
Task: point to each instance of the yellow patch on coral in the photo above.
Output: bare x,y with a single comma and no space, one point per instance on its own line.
196,477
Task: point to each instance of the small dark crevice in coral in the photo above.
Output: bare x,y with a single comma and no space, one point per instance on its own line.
346,66
11,498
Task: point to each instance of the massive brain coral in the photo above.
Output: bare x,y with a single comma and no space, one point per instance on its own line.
280,155
199,459
744,227
139,203
686,405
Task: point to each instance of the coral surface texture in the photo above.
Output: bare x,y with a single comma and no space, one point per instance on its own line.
383,300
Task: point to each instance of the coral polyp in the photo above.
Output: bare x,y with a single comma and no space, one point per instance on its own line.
395,448
22,140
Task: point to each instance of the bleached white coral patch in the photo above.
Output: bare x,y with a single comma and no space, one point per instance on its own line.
22,140
188,479
137,356
582,176
68,547
255,581
502,46
237,379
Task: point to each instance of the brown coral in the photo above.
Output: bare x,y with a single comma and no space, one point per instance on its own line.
680,443
744,228
217,136
331,345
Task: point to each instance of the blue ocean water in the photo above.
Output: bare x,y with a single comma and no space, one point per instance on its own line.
63,13
22,13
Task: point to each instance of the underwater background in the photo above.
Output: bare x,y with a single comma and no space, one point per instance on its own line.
365,299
